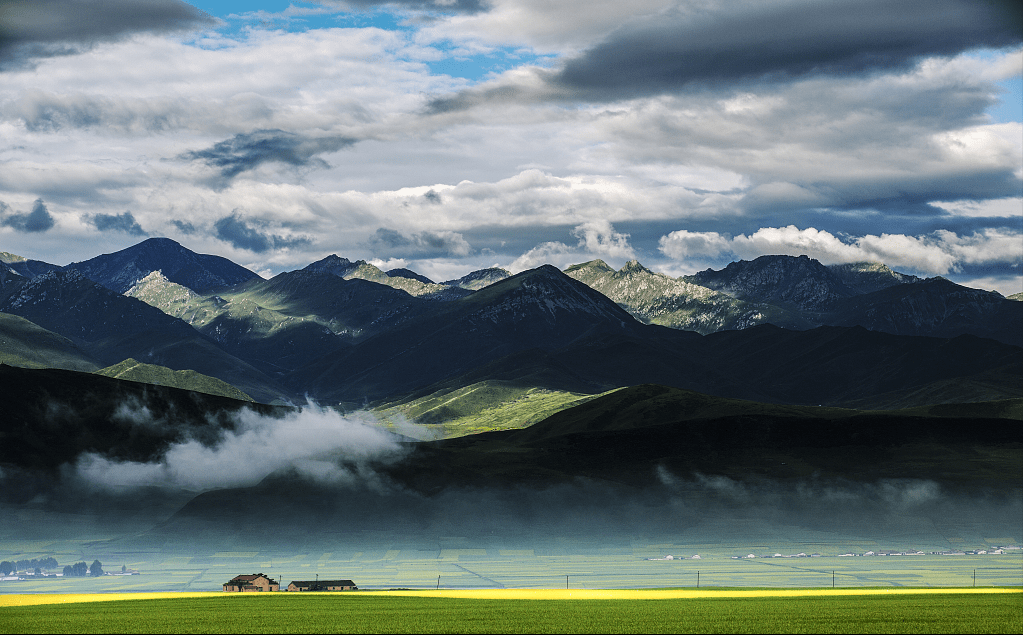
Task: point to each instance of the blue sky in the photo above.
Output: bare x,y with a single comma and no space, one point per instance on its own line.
451,136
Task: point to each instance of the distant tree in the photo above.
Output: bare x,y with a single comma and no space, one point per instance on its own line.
81,569
48,563
69,571
6,567
124,568
96,569
38,571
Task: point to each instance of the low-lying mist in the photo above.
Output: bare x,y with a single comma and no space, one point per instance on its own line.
314,442
331,479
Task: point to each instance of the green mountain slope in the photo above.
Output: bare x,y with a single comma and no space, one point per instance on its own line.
111,328
480,407
131,370
25,344
630,435
272,341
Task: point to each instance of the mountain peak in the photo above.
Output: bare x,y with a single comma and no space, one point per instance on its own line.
867,277
801,282
120,270
633,266
594,265
408,273
334,264
548,292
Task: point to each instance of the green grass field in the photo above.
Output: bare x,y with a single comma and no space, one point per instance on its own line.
382,613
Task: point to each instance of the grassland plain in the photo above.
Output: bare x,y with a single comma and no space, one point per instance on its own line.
653,611
465,564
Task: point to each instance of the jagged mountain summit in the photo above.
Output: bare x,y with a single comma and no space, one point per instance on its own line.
200,272
867,277
802,283
410,282
656,298
408,273
476,280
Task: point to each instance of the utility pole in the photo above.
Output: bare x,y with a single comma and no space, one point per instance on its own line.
566,582
832,579
697,579
438,583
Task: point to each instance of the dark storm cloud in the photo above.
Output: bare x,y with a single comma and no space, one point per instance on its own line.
248,235
184,227
426,243
117,223
784,41
389,242
36,221
45,28
249,150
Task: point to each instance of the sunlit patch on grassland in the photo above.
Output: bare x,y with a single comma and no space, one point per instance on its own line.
73,598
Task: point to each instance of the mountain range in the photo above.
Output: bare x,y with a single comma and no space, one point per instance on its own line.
779,328
541,403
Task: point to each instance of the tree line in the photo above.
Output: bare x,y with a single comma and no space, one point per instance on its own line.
8,567
79,569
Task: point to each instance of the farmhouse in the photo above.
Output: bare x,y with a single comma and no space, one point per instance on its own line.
322,585
249,583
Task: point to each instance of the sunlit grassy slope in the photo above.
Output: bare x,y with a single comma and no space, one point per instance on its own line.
132,370
480,407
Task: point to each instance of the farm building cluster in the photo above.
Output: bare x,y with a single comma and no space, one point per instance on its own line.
259,582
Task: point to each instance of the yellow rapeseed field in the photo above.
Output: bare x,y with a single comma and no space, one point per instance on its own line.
506,594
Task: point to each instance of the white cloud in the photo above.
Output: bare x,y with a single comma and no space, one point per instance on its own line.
938,253
597,239
105,131
316,442
564,26
1000,207
1006,285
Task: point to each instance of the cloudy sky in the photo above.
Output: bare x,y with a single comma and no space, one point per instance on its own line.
451,135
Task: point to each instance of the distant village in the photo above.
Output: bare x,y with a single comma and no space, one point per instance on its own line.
13,571
258,582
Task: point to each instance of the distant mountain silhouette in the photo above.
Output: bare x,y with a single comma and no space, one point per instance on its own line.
199,272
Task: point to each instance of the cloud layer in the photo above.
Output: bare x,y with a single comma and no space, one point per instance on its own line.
939,253
608,129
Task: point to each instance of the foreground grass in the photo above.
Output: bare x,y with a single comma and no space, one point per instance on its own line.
907,612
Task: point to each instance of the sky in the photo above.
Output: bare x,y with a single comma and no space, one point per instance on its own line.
451,135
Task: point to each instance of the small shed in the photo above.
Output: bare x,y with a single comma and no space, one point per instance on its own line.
322,585
256,582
